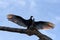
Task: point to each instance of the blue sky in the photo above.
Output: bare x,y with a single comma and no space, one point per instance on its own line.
44,10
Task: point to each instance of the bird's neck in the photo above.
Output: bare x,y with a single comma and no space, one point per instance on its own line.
31,19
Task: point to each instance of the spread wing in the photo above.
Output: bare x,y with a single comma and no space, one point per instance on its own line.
44,25
17,19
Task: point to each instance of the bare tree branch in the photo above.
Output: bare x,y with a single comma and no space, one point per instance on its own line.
26,31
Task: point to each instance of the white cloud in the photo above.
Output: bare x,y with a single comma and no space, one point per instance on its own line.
33,4
21,2
33,7
3,4
52,1
57,18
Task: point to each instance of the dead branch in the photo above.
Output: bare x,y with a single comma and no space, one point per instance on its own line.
26,31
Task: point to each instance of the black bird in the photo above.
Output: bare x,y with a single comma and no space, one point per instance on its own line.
30,23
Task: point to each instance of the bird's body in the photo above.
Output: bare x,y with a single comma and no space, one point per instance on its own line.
30,23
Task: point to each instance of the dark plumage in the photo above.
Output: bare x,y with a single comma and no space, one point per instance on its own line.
30,23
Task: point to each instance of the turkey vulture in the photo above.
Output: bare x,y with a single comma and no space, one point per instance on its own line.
30,23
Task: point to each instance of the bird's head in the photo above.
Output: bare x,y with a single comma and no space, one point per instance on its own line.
31,17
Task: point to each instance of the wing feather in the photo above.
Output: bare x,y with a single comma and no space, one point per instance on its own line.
44,25
17,19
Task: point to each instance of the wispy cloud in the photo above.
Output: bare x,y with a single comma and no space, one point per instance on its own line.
21,2
57,18
32,5
52,1
3,4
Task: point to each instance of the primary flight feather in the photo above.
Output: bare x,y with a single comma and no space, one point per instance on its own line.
30,23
